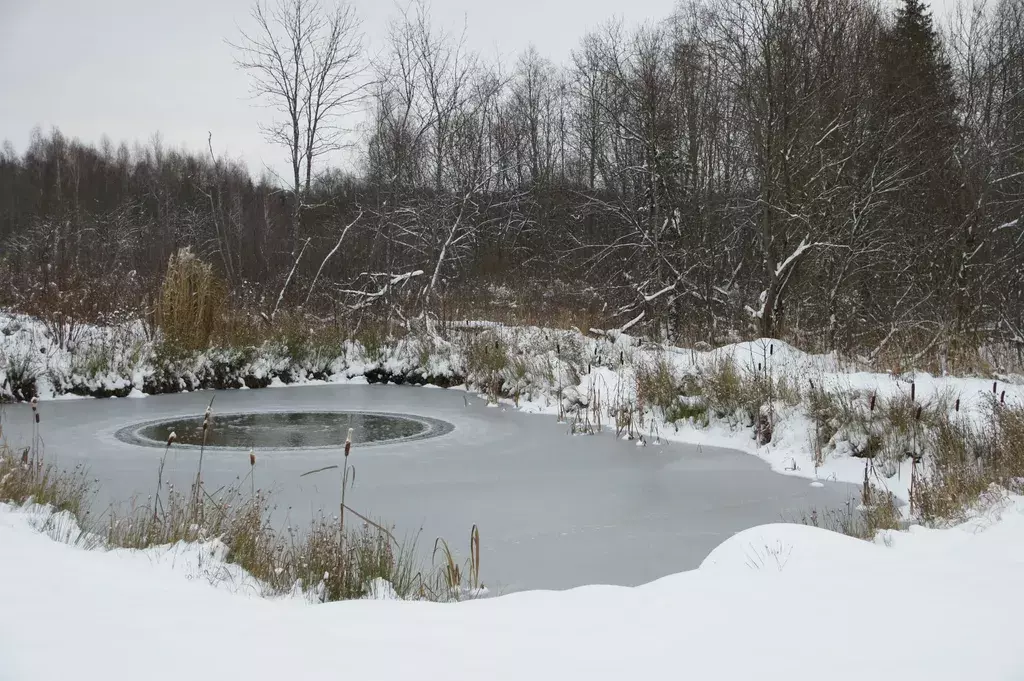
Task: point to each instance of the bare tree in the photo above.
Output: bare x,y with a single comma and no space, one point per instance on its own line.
306,63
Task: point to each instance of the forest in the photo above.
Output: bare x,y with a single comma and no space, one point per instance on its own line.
841,175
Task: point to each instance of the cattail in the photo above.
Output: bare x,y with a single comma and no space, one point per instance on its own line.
811,381
24,457
994,384
871,403
171,438
348,442
1002,397
771,349
957,406
917,416
252,458
913,390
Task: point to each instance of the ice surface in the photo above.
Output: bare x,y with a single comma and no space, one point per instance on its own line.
554,510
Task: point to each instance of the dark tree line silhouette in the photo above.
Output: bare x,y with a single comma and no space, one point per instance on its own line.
824,171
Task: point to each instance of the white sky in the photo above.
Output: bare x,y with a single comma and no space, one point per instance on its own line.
129,68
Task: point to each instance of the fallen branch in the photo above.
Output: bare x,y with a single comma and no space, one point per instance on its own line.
329,255
287,281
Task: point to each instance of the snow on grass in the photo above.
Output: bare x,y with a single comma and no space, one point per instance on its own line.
773,602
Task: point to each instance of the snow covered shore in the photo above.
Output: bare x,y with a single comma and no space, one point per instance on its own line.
540,370
774,602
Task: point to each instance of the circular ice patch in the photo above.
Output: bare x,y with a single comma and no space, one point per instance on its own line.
285,430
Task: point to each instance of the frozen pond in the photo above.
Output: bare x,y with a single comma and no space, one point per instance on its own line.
554,510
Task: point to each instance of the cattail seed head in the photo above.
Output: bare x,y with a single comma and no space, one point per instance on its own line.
1002,397
171,438
917,416
957,406
913,390
252,458
994,384
871,404
348,442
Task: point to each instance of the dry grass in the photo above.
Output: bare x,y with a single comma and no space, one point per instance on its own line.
192,302
22,482
863,523
967,460
487,362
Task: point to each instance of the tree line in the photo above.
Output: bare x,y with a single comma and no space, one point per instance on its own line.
831,172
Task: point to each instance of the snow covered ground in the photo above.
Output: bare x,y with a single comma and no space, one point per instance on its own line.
774,602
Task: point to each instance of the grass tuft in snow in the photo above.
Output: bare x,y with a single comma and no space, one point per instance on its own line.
24,482
967,458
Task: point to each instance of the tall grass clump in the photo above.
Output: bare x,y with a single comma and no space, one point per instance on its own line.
678,396
191,302
968,459
23,482
487,362
745,394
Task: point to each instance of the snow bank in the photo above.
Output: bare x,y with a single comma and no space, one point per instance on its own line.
774,602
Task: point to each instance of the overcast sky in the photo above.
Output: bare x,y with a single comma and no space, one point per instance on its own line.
129,68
